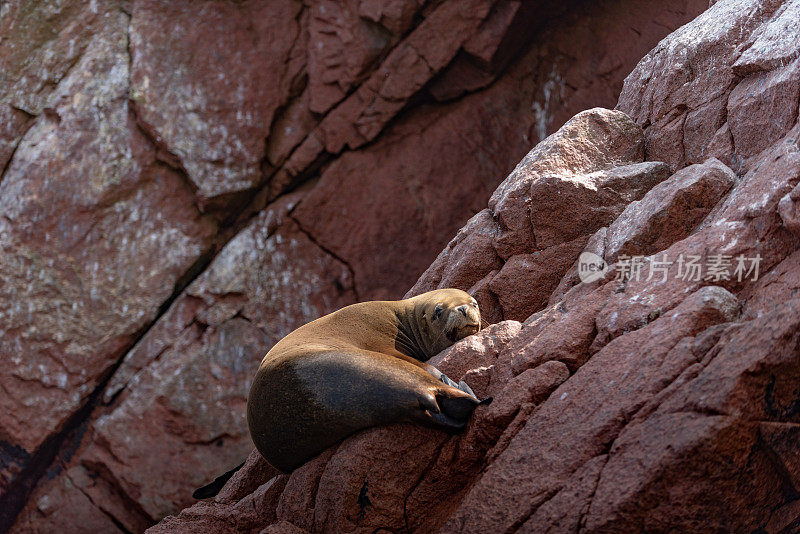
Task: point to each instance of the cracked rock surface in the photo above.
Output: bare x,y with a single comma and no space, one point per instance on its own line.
183,183
631,402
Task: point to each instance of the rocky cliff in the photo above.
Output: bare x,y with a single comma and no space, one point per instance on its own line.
661,395
183,183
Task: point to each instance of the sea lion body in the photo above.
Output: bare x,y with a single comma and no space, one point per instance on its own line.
359,367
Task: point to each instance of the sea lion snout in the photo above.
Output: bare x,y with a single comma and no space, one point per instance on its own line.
464,320
451,314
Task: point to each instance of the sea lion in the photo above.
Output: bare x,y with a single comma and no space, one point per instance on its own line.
358,367
361,366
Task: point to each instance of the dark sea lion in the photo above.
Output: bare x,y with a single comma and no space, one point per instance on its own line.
361,366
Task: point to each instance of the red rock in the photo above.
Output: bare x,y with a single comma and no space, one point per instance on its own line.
766,183
780,437
484,53
561,447
756,123
458,463
543,340
247,479
779,283
384,475
565,511
532,385
300,492
343,45
687,78
41,43
394,15
592,141
13,123
789,210
465,260
210,96
430,185
596,245
290,128
282,527
68,495
76,291
250,513
718,433
476,351
592,200
668,212
191,393
406,69
710,452
526,281
491,312
773,46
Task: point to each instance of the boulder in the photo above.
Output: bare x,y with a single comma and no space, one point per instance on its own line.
669,212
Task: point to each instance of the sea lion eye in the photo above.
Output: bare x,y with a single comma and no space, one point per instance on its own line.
475,303
437,312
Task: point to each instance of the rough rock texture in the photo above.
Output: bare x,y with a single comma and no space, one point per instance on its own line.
182,183
669,212
656,398
702,103
591,168
76,290
206,104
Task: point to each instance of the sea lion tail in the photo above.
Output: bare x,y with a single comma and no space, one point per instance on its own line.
211,490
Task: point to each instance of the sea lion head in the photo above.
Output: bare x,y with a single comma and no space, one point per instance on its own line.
445,316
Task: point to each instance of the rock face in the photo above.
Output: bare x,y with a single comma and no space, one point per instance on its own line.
183,183
662,395
206,104
591,168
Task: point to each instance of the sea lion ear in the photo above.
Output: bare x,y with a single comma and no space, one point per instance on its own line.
437,311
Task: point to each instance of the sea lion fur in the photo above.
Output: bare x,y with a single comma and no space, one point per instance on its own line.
361,366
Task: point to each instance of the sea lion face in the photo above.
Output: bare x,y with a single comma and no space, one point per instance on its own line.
451,315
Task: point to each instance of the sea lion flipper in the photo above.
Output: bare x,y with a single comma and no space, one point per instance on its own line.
445,422
458,407
427,401
445,379
463,386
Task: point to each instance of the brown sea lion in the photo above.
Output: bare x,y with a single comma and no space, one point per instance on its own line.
361,366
